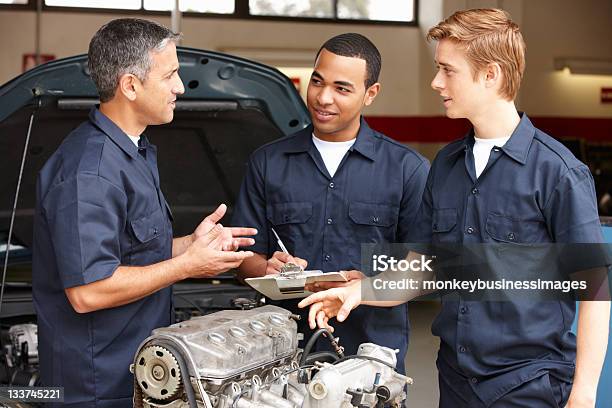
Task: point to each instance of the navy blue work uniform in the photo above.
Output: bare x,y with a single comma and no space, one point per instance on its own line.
99,206
372,198
532,190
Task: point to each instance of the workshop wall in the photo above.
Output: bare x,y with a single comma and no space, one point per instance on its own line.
407,107
65,34
566,28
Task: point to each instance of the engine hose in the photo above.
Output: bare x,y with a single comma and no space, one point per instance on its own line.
378,360
191,399
313,339
322,356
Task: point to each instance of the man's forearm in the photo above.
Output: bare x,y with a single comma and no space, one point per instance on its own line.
253,267
384,289
592,339
127,284
375,293
180,245
383,303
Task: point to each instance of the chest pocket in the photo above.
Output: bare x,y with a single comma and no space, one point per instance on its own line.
505,229
376,215
443,224
369,223
149,245
373,222
290,221
289,213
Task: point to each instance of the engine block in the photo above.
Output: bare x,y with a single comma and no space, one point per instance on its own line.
248,359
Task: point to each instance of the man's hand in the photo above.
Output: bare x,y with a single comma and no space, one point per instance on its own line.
206,256
231,238
351,277
279,259
203,258
331,303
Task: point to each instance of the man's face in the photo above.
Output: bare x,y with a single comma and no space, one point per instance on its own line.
337,94
159,90
463,97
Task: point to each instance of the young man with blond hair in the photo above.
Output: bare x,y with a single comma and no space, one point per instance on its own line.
505,182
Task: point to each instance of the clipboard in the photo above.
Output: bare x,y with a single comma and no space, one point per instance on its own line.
291,286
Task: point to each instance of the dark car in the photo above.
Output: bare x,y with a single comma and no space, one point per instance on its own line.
230,107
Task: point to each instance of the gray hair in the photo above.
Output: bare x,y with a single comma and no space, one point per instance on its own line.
121,47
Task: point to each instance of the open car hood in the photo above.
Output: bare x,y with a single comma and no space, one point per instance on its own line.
230,107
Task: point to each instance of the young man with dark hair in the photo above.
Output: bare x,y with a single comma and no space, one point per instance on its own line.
104,258
356,46
505,183
335,185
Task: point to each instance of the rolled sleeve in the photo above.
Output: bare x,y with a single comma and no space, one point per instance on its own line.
573,220
86,215
250,208
571,211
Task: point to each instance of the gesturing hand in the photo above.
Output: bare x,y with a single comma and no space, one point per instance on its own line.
231,238
331,303
205,258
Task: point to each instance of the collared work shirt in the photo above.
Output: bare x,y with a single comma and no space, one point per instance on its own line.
372,198
532,190
99,206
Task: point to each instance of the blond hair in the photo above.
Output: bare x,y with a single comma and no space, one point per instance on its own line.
487,36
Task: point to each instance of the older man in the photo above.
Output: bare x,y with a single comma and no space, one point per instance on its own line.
104,256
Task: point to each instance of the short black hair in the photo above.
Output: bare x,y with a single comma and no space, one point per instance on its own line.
355,45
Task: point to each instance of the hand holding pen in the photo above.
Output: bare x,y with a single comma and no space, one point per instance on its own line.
279,259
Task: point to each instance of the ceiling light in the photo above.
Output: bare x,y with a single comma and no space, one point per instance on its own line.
588,66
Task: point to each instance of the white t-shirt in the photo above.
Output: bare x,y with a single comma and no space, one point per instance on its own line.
134,139
332,152
482,151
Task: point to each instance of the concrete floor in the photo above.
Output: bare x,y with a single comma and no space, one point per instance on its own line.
421,357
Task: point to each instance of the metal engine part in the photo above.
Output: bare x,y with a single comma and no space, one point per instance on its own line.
158,372
24,342
20,356
363,380
249,359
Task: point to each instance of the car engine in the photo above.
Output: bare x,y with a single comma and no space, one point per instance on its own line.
20,355
250,358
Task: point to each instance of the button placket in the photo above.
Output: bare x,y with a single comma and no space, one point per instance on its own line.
328,220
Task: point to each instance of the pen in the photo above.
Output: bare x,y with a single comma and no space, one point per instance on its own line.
279,242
